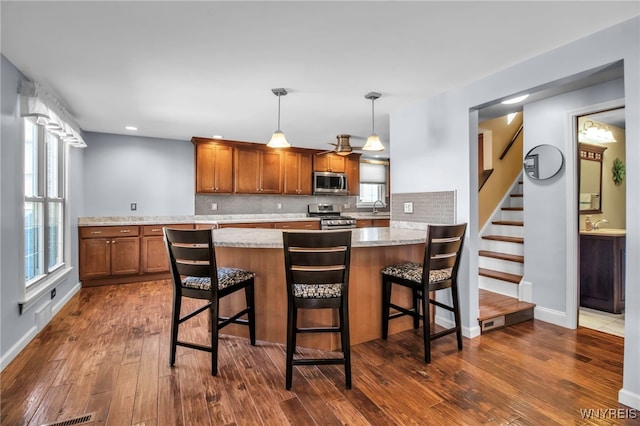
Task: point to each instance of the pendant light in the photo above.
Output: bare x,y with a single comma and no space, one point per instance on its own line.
373,141
278,140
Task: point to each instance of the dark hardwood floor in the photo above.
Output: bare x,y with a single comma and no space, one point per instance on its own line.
106,353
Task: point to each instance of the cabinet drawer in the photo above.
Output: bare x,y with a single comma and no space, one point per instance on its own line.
148,230
109,231
305,224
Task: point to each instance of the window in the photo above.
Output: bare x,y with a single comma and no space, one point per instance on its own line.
373,183
44,201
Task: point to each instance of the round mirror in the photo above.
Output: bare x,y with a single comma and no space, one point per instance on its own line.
543,162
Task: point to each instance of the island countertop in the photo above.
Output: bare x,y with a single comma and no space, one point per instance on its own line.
361,237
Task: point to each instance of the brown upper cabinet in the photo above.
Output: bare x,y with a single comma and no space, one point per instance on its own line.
298,168
329,163
226,167
257,171
214,168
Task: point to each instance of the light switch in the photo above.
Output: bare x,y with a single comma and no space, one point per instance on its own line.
134,206
408,207
214,206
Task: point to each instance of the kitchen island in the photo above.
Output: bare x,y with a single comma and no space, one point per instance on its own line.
260,251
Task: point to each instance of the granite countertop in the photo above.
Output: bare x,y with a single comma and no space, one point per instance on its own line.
361,237
605,232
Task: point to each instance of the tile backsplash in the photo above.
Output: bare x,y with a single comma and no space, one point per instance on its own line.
428,207
269,204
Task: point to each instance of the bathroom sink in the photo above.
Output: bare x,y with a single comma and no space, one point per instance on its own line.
610,232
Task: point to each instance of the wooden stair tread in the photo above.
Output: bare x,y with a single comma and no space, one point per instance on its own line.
518,240
508,222
513,209
493,305
502,256
516,195
499,275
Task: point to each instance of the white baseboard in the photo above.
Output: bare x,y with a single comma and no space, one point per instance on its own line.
629,399
33,331
469,332
551,316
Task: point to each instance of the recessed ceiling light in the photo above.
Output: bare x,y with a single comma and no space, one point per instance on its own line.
131,128
516,99
217,137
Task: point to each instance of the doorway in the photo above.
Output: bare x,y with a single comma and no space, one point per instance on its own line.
600,141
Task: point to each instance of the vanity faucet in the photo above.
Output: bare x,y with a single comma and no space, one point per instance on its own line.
596,225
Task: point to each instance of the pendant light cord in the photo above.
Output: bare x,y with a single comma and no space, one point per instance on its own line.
373,125
278,112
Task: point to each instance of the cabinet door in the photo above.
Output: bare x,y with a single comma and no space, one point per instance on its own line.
125,256
353,174
297,173
214,168
270,172
224,169
154,255
247,171
364,223
381,223
329,163
95,255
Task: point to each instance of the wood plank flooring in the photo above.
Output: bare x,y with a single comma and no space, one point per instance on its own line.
106,353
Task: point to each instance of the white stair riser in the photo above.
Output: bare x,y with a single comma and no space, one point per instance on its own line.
502,247
515,202
517,215
498,286
505,230
501,265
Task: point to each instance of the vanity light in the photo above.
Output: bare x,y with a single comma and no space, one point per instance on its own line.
515,100
278,140
595,133
373,141
132,128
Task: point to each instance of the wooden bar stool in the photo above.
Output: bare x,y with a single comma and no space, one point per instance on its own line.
438,271
317,275
196,275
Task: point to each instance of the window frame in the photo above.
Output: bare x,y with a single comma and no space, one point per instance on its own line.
42,197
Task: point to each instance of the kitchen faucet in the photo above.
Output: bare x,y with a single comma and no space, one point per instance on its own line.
374,205
596,225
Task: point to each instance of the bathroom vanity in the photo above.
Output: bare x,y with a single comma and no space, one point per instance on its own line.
602,269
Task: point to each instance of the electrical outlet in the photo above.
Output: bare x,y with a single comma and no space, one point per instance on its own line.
53,293
279,206
408,207
214,206
134,206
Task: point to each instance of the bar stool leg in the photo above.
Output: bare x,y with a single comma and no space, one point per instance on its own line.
386,300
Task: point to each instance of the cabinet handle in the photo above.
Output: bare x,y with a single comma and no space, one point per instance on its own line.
96,232
155,229
108,242
124,231
113,241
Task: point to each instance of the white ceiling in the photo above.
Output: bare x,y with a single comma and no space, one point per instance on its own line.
182,69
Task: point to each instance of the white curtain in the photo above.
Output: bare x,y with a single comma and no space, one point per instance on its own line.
373,173
36,102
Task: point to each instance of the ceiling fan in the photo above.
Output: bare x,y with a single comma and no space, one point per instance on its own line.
343,146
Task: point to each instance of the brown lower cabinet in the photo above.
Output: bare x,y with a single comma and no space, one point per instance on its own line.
132,253
602,272
368,223
154,251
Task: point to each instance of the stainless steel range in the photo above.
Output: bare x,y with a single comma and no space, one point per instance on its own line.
330,216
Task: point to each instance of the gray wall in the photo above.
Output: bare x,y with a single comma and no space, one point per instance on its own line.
157,174
434,148
17,330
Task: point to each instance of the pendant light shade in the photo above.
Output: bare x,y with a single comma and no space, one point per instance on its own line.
278,140
373,141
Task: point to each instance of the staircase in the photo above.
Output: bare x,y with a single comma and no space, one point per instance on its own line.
501,265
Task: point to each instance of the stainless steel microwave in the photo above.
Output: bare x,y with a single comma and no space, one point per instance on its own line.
330,183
